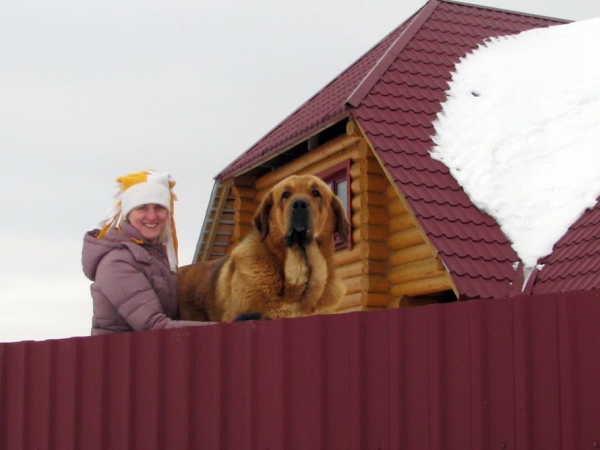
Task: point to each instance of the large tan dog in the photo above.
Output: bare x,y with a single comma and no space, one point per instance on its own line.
283,268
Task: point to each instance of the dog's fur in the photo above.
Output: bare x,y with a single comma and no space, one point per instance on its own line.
283,268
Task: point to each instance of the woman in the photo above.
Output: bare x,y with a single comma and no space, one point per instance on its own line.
132,259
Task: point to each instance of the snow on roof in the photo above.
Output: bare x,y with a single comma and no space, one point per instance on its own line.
520,132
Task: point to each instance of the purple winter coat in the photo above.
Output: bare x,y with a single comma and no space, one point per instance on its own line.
133,287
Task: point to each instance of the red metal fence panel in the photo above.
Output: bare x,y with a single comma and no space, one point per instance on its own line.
520,373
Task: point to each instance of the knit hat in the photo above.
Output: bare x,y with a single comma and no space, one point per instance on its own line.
141,188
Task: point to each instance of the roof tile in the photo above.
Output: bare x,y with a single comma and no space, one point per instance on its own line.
409,92
442,59
457,213
574,263
469,250
409,118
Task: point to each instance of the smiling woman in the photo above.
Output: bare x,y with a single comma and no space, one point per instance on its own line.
150,220
132,259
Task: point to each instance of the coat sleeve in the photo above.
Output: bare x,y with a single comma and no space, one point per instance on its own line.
132,295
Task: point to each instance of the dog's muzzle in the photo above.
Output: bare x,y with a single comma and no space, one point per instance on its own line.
299,231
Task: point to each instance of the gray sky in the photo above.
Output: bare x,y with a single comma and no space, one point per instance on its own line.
93,90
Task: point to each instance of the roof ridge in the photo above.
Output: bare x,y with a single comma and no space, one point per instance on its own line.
381,66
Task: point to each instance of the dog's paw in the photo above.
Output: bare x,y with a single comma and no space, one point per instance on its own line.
248,316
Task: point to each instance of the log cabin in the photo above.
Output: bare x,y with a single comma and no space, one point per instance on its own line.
417,238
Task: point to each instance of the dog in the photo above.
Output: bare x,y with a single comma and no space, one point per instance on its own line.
283,268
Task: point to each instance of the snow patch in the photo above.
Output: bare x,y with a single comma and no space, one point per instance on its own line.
520,132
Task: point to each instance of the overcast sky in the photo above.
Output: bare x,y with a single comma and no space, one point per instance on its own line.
97,89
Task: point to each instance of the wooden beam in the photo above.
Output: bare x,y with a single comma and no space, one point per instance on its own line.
356,236
356,219
334,146
243,192
372,232
224,193
375,267
240,231
376,299
362,151
369,198
351,270
395,206
351,301
366,165
410,254
244,217
374,214
405,238
422,287
375,283
244,204
350,127
427,268
356,186
353,284
343,257
401,222
378,184
320,166
375,250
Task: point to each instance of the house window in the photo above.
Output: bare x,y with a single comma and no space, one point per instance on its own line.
338,180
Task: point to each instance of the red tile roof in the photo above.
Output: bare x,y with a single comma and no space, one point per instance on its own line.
396,114
574,263
325,107
394,93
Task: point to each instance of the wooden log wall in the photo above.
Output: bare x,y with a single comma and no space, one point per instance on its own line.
245,205
415,269
217,241
389,258
369,221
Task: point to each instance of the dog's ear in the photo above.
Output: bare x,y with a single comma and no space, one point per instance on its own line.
342,226
261,217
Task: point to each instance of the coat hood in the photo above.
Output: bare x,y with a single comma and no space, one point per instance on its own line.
94,249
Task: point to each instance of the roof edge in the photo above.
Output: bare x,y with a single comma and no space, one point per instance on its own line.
510,11
390,55
205,224
282,149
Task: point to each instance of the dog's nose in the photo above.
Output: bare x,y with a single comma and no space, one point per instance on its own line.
299,223
299,214
300,204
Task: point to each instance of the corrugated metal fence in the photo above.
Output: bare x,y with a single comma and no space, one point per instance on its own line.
501,374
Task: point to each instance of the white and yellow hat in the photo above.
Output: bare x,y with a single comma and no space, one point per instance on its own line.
141,188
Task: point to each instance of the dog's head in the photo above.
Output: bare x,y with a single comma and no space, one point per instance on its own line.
300,209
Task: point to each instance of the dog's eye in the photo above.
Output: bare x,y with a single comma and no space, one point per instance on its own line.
316,193
285,194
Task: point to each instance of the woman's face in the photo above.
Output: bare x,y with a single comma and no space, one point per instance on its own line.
149,220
